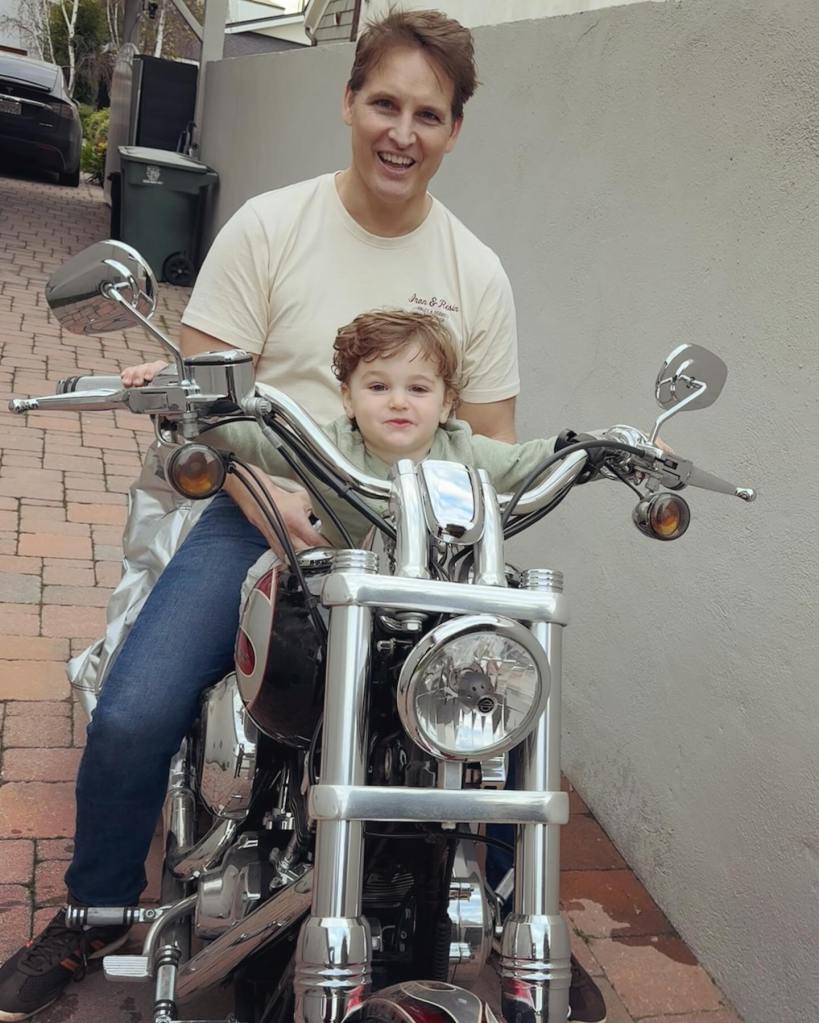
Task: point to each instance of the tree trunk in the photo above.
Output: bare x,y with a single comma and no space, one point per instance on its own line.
112,18
160,28
69,9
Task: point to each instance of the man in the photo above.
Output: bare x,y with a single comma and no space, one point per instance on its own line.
285,271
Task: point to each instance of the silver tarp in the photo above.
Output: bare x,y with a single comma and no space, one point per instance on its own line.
159,519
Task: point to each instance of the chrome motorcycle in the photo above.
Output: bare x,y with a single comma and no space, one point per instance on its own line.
324,817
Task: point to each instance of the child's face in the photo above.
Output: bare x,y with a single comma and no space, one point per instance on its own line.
398,403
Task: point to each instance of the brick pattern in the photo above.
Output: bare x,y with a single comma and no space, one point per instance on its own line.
63,481
63,486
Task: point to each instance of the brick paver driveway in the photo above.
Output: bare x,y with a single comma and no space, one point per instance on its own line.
63,480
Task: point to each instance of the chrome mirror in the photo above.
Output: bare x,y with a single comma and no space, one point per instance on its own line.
452,500
106,287
690,378
79,292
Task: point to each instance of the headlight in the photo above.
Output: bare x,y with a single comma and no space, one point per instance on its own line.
473,687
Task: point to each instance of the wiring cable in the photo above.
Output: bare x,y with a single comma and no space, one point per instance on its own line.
274,519
553,459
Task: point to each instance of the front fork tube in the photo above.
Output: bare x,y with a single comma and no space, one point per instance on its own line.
333,959
535,949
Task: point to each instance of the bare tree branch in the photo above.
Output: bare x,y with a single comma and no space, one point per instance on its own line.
32,25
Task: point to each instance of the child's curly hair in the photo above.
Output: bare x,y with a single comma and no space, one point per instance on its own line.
384,332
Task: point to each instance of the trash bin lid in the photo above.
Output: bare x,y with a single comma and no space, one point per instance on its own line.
163,158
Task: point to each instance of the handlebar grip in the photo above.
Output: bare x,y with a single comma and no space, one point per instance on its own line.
68,385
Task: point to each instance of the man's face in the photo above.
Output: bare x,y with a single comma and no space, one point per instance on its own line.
402,127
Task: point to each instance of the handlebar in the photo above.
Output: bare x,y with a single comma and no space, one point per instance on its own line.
272,400
669,469
280,417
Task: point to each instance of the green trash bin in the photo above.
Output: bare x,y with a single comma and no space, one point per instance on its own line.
162,200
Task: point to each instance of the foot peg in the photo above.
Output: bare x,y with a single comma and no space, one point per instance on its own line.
128,968
157,961
112,916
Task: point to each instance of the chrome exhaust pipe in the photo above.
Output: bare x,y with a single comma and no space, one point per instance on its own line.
271,921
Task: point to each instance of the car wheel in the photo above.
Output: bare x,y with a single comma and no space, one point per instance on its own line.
71,178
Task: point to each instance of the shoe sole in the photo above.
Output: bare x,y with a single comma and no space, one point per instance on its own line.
16,1017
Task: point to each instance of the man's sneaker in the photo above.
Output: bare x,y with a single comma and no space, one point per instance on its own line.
586,1003
36,975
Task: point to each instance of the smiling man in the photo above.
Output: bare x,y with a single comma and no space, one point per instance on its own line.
283,274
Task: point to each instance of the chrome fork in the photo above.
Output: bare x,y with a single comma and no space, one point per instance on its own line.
333,960
535,948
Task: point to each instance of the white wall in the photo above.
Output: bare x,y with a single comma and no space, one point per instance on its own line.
649,176
473,13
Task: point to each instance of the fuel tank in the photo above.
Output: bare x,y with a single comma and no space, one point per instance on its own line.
279,657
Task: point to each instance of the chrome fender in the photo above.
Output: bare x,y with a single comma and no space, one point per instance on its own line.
423,1001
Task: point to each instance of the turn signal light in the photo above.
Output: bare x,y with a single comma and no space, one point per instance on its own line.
196,471
662,516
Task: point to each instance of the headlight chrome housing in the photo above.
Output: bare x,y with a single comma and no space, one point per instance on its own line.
473,687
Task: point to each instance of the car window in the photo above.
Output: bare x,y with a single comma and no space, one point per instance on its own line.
42,75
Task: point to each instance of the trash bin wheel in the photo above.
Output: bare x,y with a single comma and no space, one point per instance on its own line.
178,270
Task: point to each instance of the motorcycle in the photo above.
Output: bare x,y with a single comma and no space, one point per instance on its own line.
324,818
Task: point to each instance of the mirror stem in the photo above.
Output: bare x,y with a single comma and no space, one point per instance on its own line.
113,293
665,416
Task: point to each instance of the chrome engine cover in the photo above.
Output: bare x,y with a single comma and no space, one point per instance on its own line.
226,894
227,762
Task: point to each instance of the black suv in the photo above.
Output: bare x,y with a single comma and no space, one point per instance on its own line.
39,124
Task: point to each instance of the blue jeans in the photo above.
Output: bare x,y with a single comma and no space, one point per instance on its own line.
181,643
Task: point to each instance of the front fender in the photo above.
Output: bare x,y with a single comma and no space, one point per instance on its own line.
423,1001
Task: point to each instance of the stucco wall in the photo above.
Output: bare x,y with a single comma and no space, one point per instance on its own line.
649,176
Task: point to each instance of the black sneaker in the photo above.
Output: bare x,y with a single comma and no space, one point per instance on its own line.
586,1003
36,975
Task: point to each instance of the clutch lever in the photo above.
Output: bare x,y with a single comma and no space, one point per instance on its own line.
171,400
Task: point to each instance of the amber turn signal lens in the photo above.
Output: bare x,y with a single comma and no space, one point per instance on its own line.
662,516
196,471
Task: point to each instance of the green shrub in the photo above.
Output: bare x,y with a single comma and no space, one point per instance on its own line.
94,141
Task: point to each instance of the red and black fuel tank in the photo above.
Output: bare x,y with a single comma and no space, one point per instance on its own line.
279,656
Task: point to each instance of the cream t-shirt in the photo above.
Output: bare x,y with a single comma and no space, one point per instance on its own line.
292,266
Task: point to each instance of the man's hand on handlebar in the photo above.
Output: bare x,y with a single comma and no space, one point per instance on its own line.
294,508
138,376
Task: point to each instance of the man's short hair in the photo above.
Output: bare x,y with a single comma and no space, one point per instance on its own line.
383,333
442,40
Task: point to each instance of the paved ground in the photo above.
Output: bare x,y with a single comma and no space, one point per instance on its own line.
63,480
